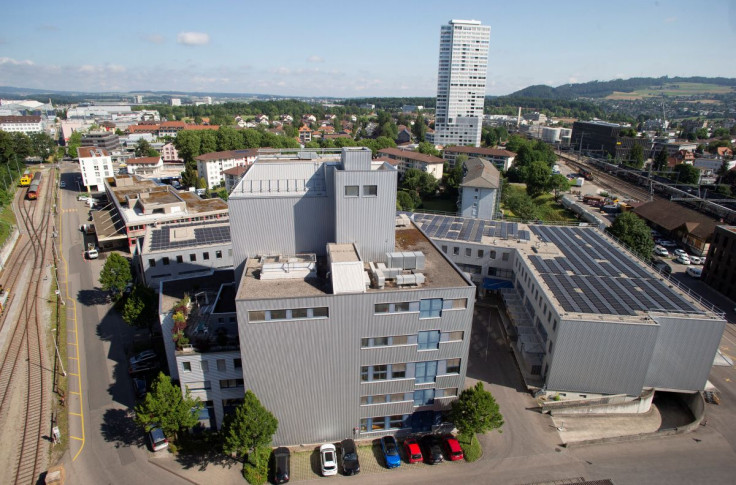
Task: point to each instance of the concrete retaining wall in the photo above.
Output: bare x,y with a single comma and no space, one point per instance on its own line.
694,402
8,247
619,405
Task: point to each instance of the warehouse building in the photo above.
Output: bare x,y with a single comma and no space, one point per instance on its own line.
588,318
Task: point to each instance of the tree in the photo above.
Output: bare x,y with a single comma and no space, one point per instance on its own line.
636,156
140,307
228,139
166,408
632,231
419,130
428,149
404,201
189,177
454,177
43,145
558,183
75,141
22,145
188,143
476,411
684,173
537,178
144,149
250,426
422,183
201,183
115,275
660,161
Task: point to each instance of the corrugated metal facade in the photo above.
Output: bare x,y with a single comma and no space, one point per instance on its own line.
373,228
307,372
600,357
683,354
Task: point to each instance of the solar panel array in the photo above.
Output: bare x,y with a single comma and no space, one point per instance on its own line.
471,230
204,234
596,277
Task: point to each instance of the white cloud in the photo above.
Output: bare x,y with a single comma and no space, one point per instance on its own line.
315,59
154,38
193,38
10,60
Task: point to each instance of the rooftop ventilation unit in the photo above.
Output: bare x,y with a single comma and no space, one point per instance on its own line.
414,279
288,267
405,260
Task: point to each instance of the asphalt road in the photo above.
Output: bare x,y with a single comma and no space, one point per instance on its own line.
113,450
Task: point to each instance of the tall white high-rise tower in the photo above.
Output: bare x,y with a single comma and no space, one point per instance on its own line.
461,82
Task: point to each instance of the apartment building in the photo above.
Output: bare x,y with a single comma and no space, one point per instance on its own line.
461,82
410,159
502,159
480,190
21,124
352,323
145,165
101,139
95,165
211,166
233,175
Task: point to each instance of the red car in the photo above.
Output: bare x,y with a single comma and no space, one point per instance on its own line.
412,450
452,448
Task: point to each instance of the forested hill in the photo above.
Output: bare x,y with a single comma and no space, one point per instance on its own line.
601,89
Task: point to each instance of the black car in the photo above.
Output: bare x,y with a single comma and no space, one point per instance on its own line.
432,449
282,459
349,455
140,387
144,367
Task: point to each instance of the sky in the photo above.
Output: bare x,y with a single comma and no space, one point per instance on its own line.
352,49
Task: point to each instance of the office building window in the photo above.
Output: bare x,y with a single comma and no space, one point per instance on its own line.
199,386
231,383
424,397
152,263
205,256
429,340
180,259
351,191
396,422
370,190
218,254
450,391
400,307
453,366
398,371
396,397
425,371
238,363
452,336
456,251
380,372
187,366
221,365
480,253
468,252
430,308
192,257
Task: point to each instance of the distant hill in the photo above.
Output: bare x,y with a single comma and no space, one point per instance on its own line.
636,87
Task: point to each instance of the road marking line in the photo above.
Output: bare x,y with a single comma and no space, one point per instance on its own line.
74,414
72,374
75,438
71,343
75,392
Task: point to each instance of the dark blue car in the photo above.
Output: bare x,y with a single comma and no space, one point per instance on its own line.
390,451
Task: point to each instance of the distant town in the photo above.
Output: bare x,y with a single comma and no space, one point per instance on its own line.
226,288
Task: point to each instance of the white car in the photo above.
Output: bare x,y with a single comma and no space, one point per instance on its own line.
328,459
694,272
679,252
696,260
683,259
661,251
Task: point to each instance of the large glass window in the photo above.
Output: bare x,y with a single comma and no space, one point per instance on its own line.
398,371
429,340
430,308
424,397
425,371
396,422
370,190
380,372
453,366
351,191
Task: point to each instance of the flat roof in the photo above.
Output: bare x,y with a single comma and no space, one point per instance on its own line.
438,271
186,235
174,290
581,270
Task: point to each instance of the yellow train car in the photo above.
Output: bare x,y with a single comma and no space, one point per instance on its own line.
25,180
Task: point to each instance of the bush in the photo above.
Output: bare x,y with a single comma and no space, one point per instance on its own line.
255,468
471,447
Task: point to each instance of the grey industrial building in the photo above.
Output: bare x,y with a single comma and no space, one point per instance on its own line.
588,318
101,139
605,138
351,322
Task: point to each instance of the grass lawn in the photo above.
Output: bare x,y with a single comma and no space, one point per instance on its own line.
471,447
6,219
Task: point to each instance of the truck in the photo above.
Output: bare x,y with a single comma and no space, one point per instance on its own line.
578,182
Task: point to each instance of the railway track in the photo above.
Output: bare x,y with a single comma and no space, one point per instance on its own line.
24,370
610,182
